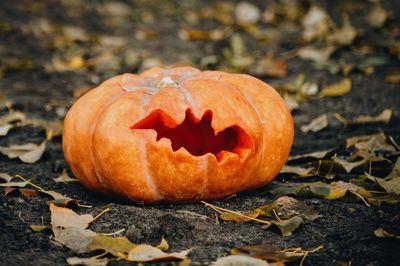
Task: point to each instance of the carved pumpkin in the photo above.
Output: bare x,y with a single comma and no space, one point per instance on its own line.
177,135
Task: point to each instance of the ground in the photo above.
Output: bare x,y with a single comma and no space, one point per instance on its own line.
38,75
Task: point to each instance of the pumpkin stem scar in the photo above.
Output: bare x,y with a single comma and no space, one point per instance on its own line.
197,135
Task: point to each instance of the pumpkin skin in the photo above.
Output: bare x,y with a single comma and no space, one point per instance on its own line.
177,135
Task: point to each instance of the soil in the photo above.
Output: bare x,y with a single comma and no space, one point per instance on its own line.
346,228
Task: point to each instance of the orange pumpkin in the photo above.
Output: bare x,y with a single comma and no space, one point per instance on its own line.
177,135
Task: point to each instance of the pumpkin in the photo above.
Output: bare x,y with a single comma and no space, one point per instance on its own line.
177,135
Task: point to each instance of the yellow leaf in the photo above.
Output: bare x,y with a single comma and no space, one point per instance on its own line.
337,89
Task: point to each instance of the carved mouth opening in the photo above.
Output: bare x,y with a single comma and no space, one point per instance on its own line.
197,136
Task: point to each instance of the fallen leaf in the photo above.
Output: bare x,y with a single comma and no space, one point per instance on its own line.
289,225
394,78
6,177
246,12
64,177
239,260
27,192
313,155
377,16
383,117
27,153
164,246
344,35
74,238
286,207
199,35
92,261
380,232
39,228
337,89
350,142
10,121
316,23
317,124
273,253
349,166
14,184
375,143
296,170
244,217
142,253
315,54
269,67
116,246
67,218
291,102
236,54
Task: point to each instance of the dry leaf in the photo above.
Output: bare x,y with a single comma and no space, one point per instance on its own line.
236,55
314,155
345,35
291,102
315,54
14,184
92,261
9,121
116,246
239,260
142,253
289,225
6,177
75,238
246,12
377,16
235,217
316,23
67,218
383,117
199,35
380,232
317,124
375,143
354,140
394,78
337,89
296,170
272,253
164,246
27,153
64,177
269,67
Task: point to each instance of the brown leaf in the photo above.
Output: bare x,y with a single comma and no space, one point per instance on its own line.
394,78
317,124
27,192
75,238
377,16
316,23
313,155
245,217
337,89
345,35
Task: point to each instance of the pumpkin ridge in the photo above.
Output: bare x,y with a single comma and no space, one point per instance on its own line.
92,130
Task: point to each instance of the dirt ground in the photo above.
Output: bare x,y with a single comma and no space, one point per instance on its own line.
42,89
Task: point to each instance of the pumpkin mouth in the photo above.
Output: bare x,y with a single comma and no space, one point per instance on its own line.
197,135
